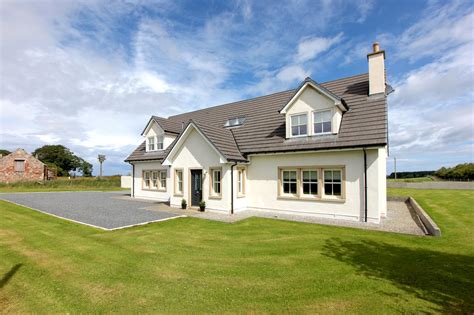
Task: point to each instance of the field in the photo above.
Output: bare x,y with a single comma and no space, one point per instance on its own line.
48,265
65,184
411,180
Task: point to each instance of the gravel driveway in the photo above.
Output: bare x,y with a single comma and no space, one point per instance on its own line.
105,210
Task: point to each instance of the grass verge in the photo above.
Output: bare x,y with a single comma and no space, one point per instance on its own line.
64,184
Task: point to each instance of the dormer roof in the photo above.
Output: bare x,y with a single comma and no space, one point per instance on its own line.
308,82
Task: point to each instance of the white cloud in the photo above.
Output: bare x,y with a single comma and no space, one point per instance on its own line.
292,73
310,48
431,112
440,30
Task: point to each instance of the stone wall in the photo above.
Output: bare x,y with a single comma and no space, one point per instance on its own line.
34,169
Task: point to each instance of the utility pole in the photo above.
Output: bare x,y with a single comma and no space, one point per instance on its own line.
395,166
101,160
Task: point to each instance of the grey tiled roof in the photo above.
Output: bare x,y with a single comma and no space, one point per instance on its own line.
363,125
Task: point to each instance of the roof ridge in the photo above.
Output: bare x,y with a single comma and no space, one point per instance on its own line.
266,95
230,103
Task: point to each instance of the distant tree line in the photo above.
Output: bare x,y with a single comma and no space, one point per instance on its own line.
412,174
459,172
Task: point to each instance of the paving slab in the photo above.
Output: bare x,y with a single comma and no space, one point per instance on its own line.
105,210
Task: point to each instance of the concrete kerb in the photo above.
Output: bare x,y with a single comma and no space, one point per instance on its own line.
427,221
430,225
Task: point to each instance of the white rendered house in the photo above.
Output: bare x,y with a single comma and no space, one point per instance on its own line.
319,149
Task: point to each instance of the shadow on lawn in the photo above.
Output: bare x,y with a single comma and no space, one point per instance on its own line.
446,280
6,277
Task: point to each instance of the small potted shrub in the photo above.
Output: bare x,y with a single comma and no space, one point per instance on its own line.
184,205
202,206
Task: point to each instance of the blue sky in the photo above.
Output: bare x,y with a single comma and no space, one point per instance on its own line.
88,74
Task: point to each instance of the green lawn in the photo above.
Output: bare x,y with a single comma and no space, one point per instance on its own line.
258,265
109,183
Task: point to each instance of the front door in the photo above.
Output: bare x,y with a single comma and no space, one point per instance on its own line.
196,187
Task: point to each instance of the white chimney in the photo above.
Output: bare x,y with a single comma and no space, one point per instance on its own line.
376,70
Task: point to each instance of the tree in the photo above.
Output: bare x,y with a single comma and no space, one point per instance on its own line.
65,160
4,152
459,172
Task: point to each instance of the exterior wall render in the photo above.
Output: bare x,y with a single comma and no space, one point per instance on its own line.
261,191
263,184
196,153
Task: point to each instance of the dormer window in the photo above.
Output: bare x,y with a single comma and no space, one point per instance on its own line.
299,125
322,122
159,143
233,122
151,143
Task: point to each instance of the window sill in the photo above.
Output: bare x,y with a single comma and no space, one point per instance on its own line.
318,199
154,189
215,197
178,195
241,196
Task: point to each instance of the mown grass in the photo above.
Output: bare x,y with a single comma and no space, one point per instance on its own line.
258,265
64,184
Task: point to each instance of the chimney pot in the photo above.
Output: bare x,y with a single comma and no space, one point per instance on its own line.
376,47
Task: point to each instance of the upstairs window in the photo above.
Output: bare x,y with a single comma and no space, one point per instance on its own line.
237,121
322,122
159,143
299,125
151,143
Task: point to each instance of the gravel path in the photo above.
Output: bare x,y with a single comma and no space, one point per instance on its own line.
400,218
106,210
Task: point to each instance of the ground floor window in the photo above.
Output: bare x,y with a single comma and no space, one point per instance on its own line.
178,182
316,182
216,182
241,182
289,182
154,179
332,182
146,179
310,182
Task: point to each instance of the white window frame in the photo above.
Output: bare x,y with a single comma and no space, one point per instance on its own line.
331,114
150,143
146,180
241,178
160,142
162,180
213,181
178,191
291,125
154,179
